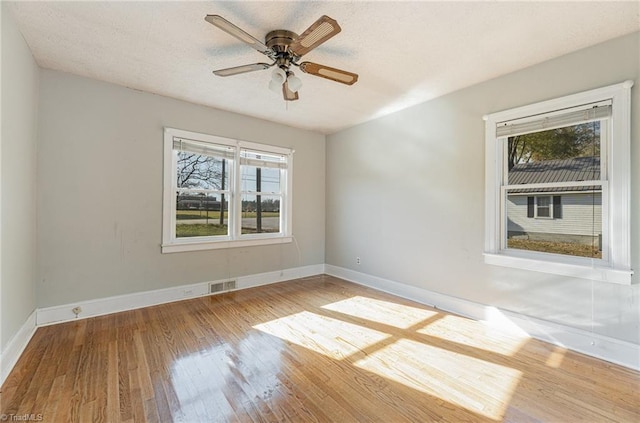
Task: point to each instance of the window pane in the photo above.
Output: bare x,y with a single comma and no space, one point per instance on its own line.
198,171
565,154
260,214
199,215
543,211
572,224
260,179
544,206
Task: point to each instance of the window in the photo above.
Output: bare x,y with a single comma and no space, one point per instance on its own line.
261,191
220,192
543,206
557,186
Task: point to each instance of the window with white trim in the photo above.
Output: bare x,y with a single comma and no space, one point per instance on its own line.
543,207
558,186
221,192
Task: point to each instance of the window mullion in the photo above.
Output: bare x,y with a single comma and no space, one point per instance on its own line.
237,197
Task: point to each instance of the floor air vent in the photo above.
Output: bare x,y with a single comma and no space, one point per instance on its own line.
222,286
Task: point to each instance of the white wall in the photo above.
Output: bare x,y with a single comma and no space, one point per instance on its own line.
20,75
100,192
405,193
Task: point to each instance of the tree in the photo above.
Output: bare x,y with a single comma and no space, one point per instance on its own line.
198,171
581,140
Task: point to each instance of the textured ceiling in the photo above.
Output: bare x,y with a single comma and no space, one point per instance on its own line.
404,52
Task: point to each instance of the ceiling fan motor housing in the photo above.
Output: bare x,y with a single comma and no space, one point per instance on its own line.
279,40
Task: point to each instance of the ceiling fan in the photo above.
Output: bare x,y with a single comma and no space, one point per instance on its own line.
285,48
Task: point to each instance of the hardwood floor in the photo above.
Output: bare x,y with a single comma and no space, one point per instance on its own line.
312,350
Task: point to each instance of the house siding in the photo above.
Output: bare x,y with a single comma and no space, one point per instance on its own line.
581,213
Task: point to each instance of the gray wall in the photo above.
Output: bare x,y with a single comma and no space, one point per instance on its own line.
405,193
18,175
100,192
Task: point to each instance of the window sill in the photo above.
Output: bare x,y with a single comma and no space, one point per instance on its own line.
588,269
179,247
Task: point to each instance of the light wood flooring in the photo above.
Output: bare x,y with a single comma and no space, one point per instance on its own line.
312,350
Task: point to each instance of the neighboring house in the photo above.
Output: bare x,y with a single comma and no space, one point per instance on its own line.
559,214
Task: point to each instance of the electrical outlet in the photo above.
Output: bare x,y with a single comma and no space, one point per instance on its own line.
357,260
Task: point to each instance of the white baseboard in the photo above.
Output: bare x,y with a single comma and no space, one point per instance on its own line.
101,306
620,352
9,357
279,276
609,349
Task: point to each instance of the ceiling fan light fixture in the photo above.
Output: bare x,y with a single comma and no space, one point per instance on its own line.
294,82
278,76
274,86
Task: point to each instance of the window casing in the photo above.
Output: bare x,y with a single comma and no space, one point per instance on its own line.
608,186
222,193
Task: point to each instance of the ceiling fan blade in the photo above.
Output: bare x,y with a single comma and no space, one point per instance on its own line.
241,69
287,93
231,29
319,32
338,75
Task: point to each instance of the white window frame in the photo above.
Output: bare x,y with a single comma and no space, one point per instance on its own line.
172,244
615,266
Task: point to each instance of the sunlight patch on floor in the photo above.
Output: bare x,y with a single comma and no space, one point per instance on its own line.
385,312
330,337
556,357
208,379
495,318
199,379
479,386
474,334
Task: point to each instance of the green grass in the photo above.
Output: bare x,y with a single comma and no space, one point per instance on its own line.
264,214
198,214
199,229
565,248
203,214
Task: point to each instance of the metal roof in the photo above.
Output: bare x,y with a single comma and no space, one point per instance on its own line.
550,171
